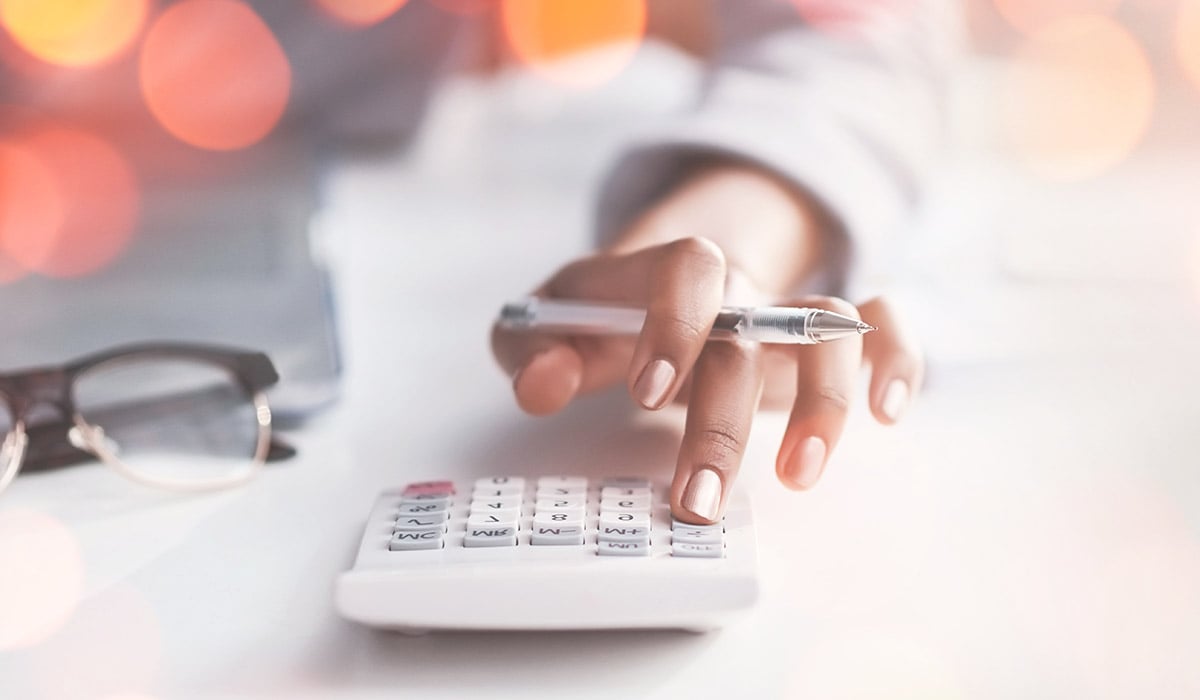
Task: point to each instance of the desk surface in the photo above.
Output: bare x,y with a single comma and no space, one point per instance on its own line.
1032,530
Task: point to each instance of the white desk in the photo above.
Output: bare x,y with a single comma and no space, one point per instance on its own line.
1030,531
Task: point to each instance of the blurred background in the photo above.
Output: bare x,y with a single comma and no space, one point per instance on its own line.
306,177
1067,157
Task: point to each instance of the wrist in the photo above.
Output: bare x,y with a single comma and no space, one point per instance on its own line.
768,230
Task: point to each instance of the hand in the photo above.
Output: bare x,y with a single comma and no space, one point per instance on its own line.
682,283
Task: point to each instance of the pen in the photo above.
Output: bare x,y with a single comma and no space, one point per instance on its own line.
763,324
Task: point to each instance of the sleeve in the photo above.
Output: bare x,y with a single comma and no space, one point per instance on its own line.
845,104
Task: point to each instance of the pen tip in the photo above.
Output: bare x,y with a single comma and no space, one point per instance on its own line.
864,328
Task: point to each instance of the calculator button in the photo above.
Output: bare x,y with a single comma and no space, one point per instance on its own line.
544,504
639,504
692,549
557,518
678,524
623,549
428,487
626,482
416,539
496,503
425,498
624,519
696,535
623,533
624,492
421,509
500,482
420,522
492,519
562,481
556,535
561,491
491,537
496,492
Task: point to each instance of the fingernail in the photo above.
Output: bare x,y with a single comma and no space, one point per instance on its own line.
806,462
652,385
702,495
895,399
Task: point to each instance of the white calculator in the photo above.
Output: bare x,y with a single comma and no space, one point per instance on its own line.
551,553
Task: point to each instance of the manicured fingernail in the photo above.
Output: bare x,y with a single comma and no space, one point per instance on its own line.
702,495
895,399
806,462
654,383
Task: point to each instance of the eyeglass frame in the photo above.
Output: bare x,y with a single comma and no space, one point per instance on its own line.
54,386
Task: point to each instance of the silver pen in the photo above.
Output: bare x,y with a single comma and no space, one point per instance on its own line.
763,324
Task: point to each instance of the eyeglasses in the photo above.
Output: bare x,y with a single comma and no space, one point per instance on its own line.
178,416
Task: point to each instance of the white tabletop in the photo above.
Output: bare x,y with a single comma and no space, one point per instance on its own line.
1031,530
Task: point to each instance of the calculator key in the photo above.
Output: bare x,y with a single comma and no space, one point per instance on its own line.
496,492
623,492
420,508
496,519
497,482
556,518
623,533
561,491
626,482
543,535
426,498
562,481
624,519
639,504
692,549
420,522
697,535
677,524
502,503
429,487
623,549
416,539
491,537
543,504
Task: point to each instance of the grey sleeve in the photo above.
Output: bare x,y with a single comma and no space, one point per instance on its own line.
850,113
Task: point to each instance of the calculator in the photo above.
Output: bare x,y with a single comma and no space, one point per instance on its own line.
547,553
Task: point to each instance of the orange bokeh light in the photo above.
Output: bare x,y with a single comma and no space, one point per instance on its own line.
43,577
543,32
74,32
1030,16
1187,38
101,202
360,13
1078,98
214,75
32,208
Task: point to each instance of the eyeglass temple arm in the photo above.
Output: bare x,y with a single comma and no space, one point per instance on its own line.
50,448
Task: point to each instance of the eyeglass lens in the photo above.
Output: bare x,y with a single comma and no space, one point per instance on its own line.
170,421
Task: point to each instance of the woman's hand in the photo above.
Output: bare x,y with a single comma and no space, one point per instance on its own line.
755,238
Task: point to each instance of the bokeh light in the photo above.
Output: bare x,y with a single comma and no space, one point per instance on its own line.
213,74
114,644
360,13
74,32
43,577
544,33
32,208
1078,98
1031,16
101,204
1187,39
